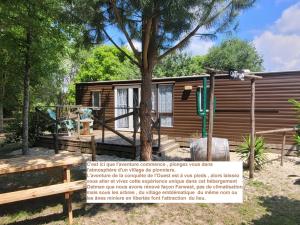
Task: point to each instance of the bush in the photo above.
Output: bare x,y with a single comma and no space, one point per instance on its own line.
297,140
15,130
259,152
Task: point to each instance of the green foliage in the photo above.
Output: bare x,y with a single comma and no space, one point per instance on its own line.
51,33
169,22
179,64
14,128
259,153
297,139
234,54
296,105
104,63
107,63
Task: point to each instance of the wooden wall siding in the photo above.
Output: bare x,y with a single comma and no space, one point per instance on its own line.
272,108
84,97
233,106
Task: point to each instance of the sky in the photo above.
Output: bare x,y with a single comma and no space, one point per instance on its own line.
272,26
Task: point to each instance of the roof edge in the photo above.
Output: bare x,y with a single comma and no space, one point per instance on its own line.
195,77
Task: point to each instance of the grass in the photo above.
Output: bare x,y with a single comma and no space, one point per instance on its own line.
263,205
5,149
256,184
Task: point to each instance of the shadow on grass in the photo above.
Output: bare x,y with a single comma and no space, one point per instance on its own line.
280,211
36,209
6,149
33,211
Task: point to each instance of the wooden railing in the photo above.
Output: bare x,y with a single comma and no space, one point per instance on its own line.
54,123
104,123
100,116
284,132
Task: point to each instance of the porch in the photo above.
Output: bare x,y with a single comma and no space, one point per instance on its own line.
112,145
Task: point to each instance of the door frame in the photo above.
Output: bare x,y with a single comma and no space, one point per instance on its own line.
130,104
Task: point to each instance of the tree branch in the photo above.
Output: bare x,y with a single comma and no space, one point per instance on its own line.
120,49
193,32
122,27
181,43
146,42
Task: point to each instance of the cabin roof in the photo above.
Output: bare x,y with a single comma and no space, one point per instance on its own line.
184,78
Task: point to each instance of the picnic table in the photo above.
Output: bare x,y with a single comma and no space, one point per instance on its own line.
34,163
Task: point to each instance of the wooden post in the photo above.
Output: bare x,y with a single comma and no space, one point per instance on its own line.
134,125
68,196
37,122
78,123
103,128
56,132
93,147
211,117
56,143
252,135
158,132
282,149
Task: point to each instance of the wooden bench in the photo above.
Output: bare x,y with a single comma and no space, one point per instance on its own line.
33,163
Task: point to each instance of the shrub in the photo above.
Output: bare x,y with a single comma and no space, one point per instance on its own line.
296,105
14,128
259,152
297,139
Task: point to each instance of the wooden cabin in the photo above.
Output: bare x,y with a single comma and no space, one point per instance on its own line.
174,100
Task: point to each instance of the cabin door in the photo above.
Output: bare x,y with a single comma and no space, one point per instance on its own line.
126,98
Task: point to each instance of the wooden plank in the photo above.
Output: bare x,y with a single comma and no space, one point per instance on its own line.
283,130
68,195
282,149
93,148
252,132
42,191
211,117
28,163
119,134
119,117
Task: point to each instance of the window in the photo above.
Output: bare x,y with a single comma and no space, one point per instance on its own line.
96,99
122,107
154,98
165,105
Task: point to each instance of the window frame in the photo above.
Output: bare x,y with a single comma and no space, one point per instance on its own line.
170,114
93,99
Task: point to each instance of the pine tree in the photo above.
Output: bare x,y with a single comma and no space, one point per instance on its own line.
161,27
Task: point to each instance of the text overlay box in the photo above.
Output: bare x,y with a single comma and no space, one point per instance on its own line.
164,182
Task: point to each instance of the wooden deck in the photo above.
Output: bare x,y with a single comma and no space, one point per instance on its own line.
113,144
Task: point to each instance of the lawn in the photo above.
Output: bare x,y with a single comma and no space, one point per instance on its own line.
272,198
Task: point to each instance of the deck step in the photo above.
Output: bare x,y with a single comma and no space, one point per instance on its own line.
166,143
169,147
162,139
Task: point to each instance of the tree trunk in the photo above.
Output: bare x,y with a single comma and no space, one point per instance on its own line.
25,142
145,115
1,116
2,93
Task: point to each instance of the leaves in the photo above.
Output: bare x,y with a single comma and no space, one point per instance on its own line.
104,63
179,64
234,54
51,35
259,152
